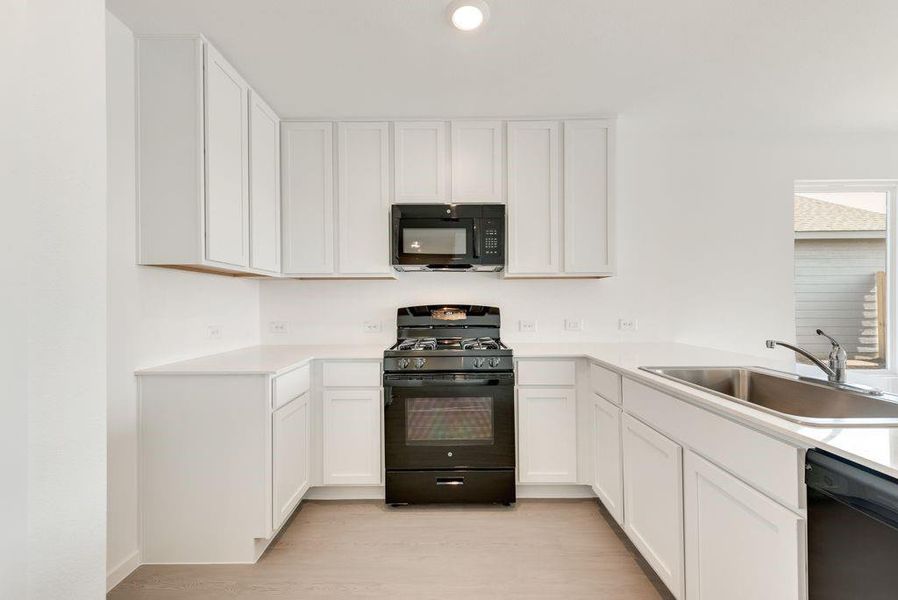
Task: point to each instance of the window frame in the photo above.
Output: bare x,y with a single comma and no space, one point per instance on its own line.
889,187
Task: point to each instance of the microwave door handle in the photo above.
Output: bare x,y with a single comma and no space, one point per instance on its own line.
476,239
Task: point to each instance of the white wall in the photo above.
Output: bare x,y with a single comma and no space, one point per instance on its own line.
52,408
705,247
155,315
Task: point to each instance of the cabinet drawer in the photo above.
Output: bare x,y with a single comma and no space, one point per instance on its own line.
769,465
546,372
605,382
290,385
352,374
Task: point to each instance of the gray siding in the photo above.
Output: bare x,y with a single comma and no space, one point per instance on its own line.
835,290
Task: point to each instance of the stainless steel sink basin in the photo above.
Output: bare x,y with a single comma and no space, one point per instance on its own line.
799,399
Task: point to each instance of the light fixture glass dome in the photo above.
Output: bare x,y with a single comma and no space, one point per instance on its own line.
468,15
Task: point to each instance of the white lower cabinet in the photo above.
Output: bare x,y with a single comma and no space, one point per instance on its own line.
740,544
352,436
547,432
653,500
608,476
290,457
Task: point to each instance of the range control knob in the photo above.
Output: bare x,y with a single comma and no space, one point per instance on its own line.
420,362
478,363
494,361
403,363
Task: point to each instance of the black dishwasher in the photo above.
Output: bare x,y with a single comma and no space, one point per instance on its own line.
852,530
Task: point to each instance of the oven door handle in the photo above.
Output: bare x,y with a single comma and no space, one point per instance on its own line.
492,381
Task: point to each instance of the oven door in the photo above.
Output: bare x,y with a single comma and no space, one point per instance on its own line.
449,421
449,243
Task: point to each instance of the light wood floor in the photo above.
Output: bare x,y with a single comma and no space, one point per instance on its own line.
546,549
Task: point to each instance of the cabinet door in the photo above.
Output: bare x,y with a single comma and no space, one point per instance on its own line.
364,198
308,202
608,476
227,163
420,154
587,201
534,211
653,500
547,435
265,187
290,457
352,446
740,544
477,161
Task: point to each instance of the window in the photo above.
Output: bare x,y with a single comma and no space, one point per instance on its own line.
843,262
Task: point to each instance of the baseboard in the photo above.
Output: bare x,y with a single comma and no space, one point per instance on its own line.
118,573
345,492
540,490
376,492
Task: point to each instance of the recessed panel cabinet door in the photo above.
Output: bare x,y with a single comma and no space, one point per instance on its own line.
420,154
653,500
608,476
308,200
477,161
534,210
587,207
227,163
290,457
352,441
364,198
740,544
265,187
547,435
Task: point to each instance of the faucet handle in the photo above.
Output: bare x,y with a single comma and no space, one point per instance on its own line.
831,339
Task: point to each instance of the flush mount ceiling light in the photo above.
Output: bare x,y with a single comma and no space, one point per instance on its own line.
468,15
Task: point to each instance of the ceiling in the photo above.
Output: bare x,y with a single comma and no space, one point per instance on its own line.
819,64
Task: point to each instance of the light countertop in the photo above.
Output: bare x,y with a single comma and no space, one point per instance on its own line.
876,447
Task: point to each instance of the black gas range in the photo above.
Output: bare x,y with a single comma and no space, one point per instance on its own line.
449,407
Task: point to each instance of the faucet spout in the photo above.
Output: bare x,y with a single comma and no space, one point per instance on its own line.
832,374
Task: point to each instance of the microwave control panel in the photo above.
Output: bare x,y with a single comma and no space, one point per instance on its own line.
493,244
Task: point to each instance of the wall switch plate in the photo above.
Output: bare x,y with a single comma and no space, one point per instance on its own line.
277,327
372,327
573,324
628,324
213,332
527,326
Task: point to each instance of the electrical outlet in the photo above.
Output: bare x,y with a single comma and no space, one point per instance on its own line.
213,332
277,327
628,324
372,326
526,326
573,324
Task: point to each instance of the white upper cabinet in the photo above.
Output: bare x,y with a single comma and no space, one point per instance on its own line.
265,186
421,161
227,163
193,161
308,198
364,198
587,200
477,149
740,544
534,210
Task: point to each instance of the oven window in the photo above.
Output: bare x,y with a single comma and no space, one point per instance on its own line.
458,421
442,240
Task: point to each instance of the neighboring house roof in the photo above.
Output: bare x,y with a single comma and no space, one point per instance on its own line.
818,215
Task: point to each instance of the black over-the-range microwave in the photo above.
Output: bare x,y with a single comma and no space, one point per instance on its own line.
448,237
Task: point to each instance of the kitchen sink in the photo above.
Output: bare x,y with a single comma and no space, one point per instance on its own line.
800,399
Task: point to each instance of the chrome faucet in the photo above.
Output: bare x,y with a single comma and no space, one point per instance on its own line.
838,358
